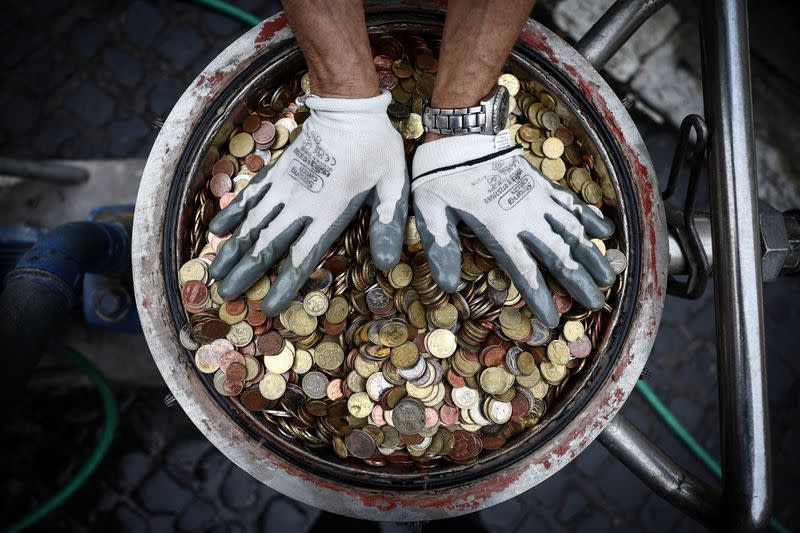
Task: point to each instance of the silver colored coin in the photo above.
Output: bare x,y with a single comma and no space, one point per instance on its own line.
616,260
409,417
315,385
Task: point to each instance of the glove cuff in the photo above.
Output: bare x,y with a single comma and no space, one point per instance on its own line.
458,152
374,104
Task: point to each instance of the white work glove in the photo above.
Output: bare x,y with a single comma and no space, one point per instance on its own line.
520,215
347,154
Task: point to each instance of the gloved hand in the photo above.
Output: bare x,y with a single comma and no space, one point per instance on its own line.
348,153
520,215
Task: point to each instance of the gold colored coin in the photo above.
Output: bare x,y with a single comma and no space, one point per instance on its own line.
553,373
282,362
510,318
405,355
526,363
411,128
328,355
240,334
577,177
510,82
241,145
416,315
446,315
554,169
600,245
259,289
533,159
573,330
393,334
528,133
299,321
497,279
272,386
360,405
281,138
592,193
553,148
558,352
338,308
315,303
305,83
441,343
302,361
193,270
540,390
496,380
400,275
402,69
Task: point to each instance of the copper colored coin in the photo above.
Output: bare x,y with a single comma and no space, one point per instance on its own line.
231,357
463,446
519,405
223,166
334,389
232,388
236,372
449,415
495,356
220,184
215,328
265,133
256,318
563,303
382,62
454,379
492,442
235,307
194,293
254,162
411,439
253,400
226,199
337,264
270,343
580,348
251,123
387,80
333,329
360,444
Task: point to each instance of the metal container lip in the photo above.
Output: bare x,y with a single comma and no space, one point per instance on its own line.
439,499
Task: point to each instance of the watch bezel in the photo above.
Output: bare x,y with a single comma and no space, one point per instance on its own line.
498,102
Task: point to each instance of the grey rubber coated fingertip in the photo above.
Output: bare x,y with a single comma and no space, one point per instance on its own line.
385,243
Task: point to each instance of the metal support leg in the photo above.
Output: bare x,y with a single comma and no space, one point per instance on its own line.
737,258
614,29
660,473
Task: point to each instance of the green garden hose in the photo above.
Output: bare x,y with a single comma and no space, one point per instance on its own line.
232,11
683,434
111,418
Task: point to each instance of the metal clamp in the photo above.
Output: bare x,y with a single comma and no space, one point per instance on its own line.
690,152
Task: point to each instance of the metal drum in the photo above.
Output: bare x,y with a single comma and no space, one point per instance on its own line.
204,116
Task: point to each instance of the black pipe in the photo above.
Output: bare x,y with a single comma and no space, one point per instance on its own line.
43,288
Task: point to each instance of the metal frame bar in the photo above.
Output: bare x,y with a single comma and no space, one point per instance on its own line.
737,282
614,28
660,473
746,493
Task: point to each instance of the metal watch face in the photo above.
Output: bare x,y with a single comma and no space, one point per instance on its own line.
499,109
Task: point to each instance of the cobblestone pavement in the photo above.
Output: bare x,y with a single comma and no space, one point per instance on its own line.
86,80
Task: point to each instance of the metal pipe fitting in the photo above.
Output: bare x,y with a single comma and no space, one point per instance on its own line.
43,288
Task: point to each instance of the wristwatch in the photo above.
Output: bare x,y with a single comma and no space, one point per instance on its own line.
488,117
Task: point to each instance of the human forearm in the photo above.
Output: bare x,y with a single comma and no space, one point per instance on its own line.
333,38
478,36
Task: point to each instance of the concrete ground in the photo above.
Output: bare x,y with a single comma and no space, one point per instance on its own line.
85,81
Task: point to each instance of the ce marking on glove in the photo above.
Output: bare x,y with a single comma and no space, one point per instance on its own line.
510,185
310,163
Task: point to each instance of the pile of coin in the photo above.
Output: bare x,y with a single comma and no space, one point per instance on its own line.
384,366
